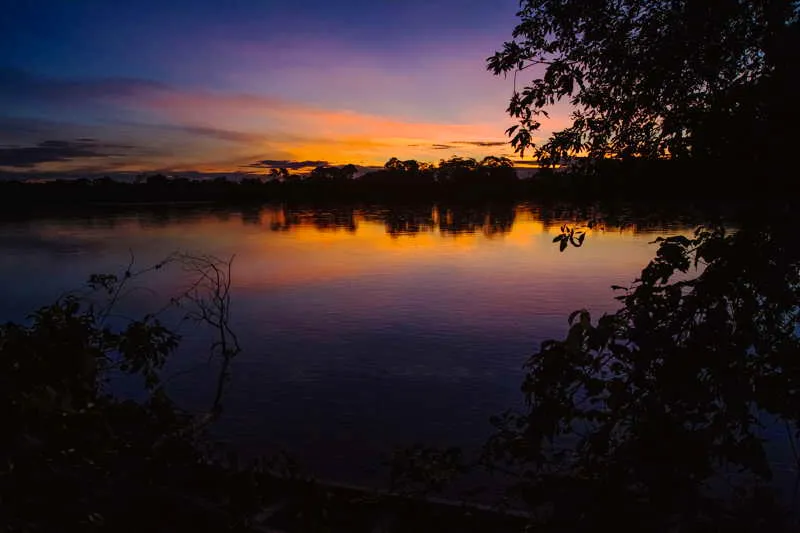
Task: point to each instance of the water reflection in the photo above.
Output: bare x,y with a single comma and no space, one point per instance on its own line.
449,219
363,327
490,220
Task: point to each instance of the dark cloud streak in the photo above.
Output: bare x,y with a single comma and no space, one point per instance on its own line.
481,143
57,151
453,144
290,165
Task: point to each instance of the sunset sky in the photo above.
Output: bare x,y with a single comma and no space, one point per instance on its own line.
91,87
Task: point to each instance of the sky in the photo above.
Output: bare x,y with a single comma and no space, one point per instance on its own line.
101,87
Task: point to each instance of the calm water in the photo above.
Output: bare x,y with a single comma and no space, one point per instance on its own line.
361,329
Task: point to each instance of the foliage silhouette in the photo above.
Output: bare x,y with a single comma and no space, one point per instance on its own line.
76,457
656,79
631,419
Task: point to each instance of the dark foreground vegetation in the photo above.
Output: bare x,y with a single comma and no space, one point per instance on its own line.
77,457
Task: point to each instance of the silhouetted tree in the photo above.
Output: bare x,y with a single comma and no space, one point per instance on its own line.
347,172
632,417
456,171
497,170
394,164
400,174
409,165
324,174
496,162
655,78
157,180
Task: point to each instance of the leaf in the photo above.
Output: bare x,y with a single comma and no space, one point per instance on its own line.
679,239
563,245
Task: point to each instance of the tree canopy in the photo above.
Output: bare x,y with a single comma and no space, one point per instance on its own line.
655,78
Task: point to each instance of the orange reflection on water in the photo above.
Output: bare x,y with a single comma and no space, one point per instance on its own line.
276,247
494,264
323,247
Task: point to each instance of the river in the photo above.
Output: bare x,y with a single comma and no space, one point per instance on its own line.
362,329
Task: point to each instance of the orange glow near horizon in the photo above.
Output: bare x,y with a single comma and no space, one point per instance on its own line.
303,254
225,133
219,132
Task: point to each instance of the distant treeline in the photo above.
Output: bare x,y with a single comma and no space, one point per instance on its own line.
455,179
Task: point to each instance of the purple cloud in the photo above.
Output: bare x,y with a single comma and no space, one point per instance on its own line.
58,151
